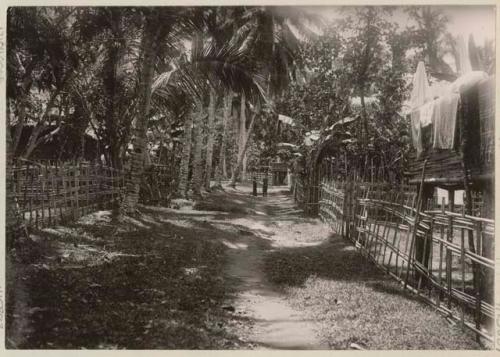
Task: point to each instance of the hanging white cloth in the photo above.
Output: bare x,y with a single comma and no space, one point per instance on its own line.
440,88
444,121
426,112
416,131
421,89
463,56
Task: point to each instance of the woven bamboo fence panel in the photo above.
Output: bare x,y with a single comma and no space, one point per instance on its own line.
52,192
47,193
445,257
306,191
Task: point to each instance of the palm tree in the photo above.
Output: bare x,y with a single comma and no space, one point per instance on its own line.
220,170
186,156
210,136
46,49
243,137
209,65
154,32
268,33
197,150
222,24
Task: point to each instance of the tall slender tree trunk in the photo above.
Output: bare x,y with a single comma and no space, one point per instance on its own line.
244,166
210,137
240,140
111,92
186,156
365,117
197,180
242,133
150,39
224,164
220,170
239,162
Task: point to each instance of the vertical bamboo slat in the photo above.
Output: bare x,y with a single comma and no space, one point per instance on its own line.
373,205
462,264
449,238
479,280
41,176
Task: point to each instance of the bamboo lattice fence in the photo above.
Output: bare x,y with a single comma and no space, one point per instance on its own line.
50,192
445,257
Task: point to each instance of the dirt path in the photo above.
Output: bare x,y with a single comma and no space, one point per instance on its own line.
273,224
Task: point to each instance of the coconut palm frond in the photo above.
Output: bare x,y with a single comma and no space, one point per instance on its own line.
228,65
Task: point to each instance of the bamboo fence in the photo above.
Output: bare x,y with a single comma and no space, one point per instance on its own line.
445,257
51,192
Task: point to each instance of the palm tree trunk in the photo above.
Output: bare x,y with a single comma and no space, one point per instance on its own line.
186,155
220,170
197,180
243,125
210,137
240,140
139,130
239,162
244,166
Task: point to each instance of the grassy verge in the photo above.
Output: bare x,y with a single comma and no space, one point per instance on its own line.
145,284
355,303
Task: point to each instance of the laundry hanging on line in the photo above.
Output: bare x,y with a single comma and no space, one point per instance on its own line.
442,114
416,131
421,90
426,112
444,121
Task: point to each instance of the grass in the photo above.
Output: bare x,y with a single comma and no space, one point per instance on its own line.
114,285
354,302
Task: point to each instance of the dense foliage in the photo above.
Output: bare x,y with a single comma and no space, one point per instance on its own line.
200,89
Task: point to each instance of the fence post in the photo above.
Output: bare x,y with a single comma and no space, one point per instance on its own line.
77,187
416,222
478,276
346,210
49,192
